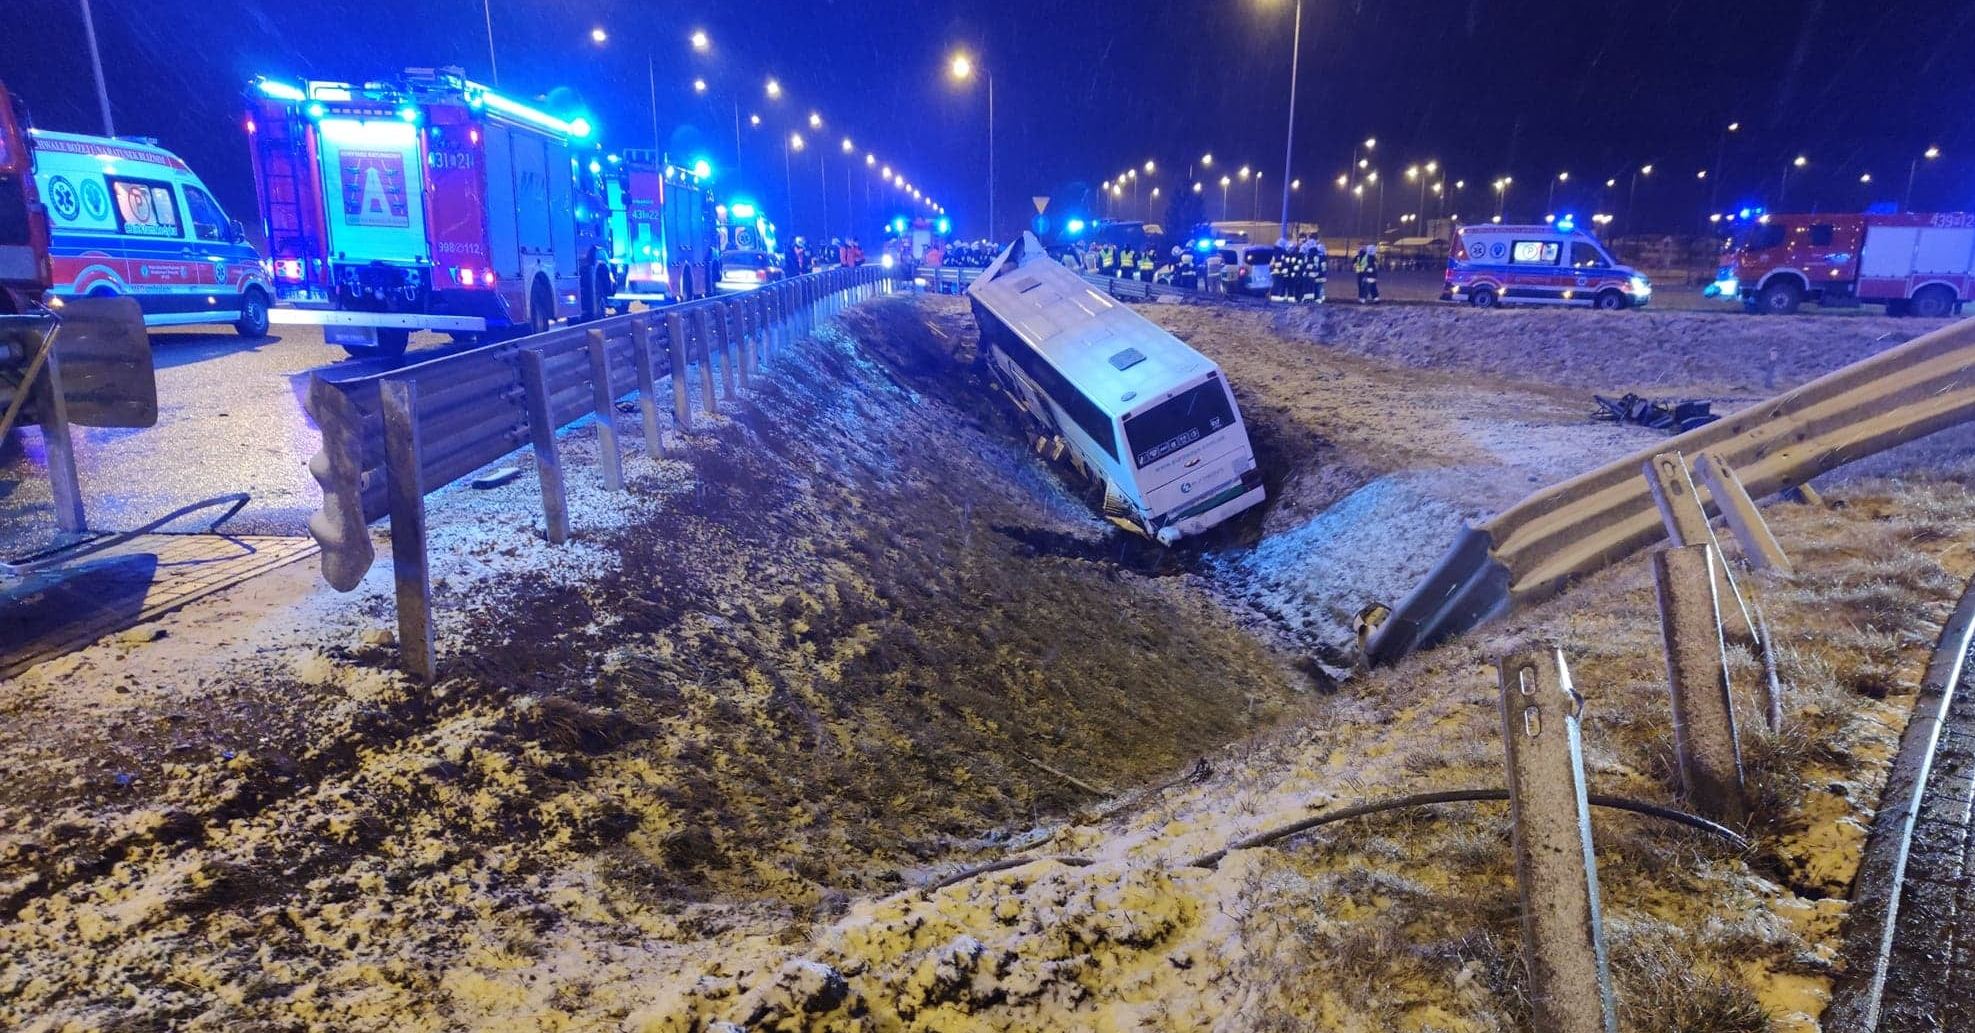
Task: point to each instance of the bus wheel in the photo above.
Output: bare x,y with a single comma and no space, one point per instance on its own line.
253,313
1933,302
1482,297
1610,301
1779,299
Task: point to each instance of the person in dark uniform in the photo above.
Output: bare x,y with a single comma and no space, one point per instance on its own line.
1280,285
1316,269
1366,266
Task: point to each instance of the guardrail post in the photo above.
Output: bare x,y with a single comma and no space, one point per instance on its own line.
724,332
548,455
1563,936
1704,738
1687,524
407,500
735,321
756,307
703,332
606,415
647,388
675,351
339,528
782,317
1759,547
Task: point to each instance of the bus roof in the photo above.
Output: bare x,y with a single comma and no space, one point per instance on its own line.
1118,358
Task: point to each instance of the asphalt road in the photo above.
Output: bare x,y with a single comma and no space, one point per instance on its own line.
229,419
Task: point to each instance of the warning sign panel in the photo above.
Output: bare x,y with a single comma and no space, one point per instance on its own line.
374,188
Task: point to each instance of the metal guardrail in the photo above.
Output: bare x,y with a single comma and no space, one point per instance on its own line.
391,438
1533,550
955,280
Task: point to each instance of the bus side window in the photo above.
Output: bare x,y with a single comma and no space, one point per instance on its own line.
208,221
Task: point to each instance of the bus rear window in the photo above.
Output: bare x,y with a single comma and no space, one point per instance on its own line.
1178,421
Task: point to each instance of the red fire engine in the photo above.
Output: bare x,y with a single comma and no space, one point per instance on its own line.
24,268
661,222
433,203
1916,263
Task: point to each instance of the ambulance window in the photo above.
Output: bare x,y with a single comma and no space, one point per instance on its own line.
145,208
207,219
1588,256
1536,252
1820,234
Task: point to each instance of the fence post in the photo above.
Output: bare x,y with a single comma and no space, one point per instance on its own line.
757,326
605,399
675,352
548,455
1687,524
781,335
735,321
1704,739
1759,546
406,484
647,405
723,331
1563,936
703,332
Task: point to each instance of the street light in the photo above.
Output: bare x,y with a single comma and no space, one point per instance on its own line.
1632,194
962,68
1783,185
597,35
699,85
1224,197
774,89
1912,170
699,40
1289,121
1149,167
815,120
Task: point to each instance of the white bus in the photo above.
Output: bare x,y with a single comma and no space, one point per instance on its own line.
1135,408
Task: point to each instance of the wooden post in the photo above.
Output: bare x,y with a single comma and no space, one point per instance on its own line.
1704,738
548,456
605,399
703,333
735,359
1759,547
675,351
1563,935
647,387
406,484
1687,524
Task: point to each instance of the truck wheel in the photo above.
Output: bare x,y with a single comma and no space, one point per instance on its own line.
1934,301
1483,297
541,308
602,288
1609,301
253,313
1779,299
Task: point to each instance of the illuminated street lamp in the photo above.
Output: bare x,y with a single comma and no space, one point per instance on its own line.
597,35
1632,194
1224,197
699,85
962,69
1913,169
1783,185
700,41
815,120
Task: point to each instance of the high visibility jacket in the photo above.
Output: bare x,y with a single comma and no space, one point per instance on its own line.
1365,264
1145,261
1128,259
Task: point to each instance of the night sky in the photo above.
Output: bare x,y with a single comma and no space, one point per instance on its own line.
1085,90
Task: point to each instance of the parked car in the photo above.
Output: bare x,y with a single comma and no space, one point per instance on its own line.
745,270
131,219
1245,267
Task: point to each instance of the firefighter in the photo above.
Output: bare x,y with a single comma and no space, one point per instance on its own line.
1148,263
1187,274
1281,287
1107,260
1316,270
1127,262
1366,266
1217,271
799,256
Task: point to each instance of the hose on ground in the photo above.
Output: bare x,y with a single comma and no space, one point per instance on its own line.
238,500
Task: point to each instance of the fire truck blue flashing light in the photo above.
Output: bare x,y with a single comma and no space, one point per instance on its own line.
281,90
703,168
409,114
578,127
315,109
945,226
1075,226
898,225
742,210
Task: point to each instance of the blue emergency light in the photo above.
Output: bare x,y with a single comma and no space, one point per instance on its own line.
1075,226
945,226
1568,223
898,225
742,210
703,168
281,90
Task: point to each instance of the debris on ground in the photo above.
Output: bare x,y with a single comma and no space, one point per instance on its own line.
1673,417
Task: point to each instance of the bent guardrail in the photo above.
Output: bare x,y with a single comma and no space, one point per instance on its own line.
946,279
1537,547
391,438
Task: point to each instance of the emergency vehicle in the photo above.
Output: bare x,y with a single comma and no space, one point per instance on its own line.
25,271
663,240
1137,410
1550,264
1911,262
429,203
128,218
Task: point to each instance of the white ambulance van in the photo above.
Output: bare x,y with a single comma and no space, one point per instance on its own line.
128,218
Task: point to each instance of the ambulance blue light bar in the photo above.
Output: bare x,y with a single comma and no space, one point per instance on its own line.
576,127
280,90
742,210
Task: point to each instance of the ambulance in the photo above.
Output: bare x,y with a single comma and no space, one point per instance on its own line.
1551,264
128,218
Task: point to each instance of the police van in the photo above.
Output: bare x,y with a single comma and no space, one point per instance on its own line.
1137,410
128,218
1554,264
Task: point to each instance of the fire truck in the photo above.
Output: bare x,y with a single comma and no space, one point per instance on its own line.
25,271
663,240
427,203
1923,264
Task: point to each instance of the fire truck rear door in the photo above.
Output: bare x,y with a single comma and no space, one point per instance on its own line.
375,180
503,207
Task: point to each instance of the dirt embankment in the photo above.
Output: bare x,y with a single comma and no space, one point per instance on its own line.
815,653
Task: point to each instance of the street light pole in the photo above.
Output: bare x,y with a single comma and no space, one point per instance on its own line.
1912,170
1289,134
96,63
486,12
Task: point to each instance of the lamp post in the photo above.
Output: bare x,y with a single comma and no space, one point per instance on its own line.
1550,200
486,12
1289,131
1720,162
1906,201
1783,187
1632,195
1224,197
963,68
793,143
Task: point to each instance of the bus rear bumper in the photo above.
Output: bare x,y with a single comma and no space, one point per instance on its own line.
1242,495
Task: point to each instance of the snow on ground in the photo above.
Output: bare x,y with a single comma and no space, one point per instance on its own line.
686,769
